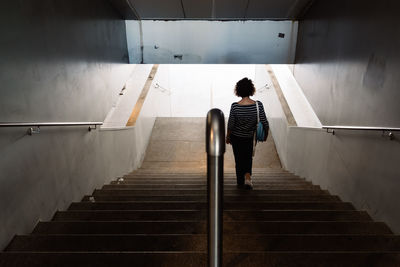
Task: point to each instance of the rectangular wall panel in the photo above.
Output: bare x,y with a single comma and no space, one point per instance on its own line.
217,42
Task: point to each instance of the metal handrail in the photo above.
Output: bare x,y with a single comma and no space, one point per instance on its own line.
388,130
47,124
215,147
35,126
366,128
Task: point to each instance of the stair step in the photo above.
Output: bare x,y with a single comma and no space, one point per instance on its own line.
131,215
151,218
149,259
296,215
229,215
204,179
237,192
257,187
108,243
137,205
232,243
103,259
227,198
204,186
200,227
228,175
173,259
204,183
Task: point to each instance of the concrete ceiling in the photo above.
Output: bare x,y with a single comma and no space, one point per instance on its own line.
212,9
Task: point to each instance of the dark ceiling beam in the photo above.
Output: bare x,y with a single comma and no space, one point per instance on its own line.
299,8
247,8
183,9
219,9
125,8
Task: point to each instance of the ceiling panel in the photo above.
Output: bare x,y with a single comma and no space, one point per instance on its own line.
275,9
195,9
230,9
124,9
202,9
158,9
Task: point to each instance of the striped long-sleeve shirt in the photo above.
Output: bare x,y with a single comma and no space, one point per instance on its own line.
243,119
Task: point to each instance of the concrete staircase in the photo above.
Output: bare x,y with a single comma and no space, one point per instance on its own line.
158,218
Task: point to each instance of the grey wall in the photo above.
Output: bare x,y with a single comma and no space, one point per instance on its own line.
57,58
60,60
348,61
359,167
347,65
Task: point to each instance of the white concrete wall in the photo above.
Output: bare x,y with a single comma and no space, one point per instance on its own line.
215,42
191,90
361,167
122,109
301,109
61,61
43,173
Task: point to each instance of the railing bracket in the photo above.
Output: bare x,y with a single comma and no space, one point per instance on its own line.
34,130
388,134
92,128
328,130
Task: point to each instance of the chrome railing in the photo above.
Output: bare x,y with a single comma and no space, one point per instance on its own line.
215,147
34,127
385,130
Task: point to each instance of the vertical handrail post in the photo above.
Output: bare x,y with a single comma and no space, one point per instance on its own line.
215,147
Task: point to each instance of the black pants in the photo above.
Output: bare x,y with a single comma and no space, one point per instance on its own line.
243,152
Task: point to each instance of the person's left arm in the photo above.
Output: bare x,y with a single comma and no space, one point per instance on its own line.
231,124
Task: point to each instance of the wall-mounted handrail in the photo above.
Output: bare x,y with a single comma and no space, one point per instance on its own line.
48,124
35,126
215,147
388,130
365,128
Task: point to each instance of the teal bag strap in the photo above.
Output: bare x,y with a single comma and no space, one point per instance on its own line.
260,132
258,113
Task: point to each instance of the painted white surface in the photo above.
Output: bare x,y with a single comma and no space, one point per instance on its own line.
275,114
45,180
214,42
123,107
192,90
48,74
360,167
301,109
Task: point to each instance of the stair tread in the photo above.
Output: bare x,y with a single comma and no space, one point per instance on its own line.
198,242
153,218
229,215
198,227
186,258
203,205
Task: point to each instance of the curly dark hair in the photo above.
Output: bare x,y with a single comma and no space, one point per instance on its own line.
244,88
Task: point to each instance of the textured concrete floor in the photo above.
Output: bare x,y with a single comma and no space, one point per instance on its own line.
180,143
